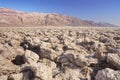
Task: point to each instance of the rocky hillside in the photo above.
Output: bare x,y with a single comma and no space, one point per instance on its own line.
59,53
9,17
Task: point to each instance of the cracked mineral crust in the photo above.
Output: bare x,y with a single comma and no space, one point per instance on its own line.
65,53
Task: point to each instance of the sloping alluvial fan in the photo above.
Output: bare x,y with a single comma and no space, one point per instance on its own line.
59,53
9,17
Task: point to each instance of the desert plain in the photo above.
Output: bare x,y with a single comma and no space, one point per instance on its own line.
59,53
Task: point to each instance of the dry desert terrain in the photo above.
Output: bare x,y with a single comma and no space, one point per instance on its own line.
54,53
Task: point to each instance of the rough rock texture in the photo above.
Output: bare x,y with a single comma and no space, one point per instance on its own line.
31,57
9,17
18,76
114,60
108,74
59,53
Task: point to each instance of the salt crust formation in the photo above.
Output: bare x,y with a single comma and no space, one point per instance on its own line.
60,53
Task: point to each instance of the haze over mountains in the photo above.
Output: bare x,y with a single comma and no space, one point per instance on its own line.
9,17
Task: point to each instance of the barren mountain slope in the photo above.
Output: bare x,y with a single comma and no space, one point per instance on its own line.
9,17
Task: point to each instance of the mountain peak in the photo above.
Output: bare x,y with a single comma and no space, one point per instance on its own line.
6,9
9,12
16,18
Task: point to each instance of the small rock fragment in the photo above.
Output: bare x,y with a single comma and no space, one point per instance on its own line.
4,77
107,74
31,57
43,71
17,76
114,60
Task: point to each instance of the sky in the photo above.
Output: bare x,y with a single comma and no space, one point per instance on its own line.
96,10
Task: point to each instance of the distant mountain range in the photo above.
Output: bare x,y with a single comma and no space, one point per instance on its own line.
9,17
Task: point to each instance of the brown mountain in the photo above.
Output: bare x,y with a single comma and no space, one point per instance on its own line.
9,17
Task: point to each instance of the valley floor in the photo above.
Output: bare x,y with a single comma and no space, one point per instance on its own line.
55,53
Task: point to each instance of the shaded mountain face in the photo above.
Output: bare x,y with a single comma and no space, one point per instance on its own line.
9,17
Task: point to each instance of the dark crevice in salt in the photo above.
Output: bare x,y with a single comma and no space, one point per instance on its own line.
18,60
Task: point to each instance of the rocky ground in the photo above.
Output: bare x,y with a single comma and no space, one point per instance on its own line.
59,53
